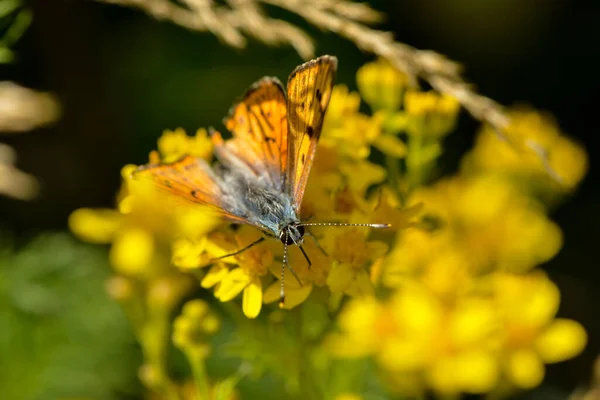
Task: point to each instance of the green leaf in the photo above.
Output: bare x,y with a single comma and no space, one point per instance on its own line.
6,55
61,336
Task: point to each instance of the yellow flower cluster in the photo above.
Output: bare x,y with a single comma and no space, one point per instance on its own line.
468,311
140,233
450,298
502,329
340,257
534,134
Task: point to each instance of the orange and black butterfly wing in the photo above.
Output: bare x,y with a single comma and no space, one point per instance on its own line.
260,133
309,90
190,179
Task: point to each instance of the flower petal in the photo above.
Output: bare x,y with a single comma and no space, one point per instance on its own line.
477,371
252,299
562,340
361,285
293,296
232,284
95,225
391,145
214,276
525,369
340,277
132,251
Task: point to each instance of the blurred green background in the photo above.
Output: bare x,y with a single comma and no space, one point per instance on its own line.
122,77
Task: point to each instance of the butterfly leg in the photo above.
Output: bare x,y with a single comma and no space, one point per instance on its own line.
282,280
295,276
316,243
305,256
235,253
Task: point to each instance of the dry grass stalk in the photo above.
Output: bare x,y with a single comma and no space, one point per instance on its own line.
343,17
14,182
23,109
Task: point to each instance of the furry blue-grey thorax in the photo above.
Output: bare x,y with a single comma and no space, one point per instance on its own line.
263,205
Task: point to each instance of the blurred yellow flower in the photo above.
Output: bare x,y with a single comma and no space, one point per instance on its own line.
497,225
193,328
531,336
387,209
352,253
413,333
132,251
189,254
346,128
528,134
381,85
95,225
430,114
451,305
352,133
174,144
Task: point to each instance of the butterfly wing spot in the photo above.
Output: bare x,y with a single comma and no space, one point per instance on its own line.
303,159
310,132
318,95
194,193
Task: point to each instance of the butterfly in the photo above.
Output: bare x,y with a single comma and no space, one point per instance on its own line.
262,171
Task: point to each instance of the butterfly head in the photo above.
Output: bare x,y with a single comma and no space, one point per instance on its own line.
292,234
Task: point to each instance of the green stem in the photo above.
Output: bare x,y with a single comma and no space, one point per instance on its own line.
200,376
450,397
393,167
154,339
414,163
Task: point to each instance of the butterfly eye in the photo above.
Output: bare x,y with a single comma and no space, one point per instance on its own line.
292,235
286,238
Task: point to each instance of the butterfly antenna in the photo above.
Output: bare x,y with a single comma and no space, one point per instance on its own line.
378,226
282,287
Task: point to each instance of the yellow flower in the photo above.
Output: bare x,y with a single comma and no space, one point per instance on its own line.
141,230
381,85
95,225
338,186
529,135
173,145
352,254
413,333
325,179
360,175
309,276
386,209
496,225
351,132
531,336
430,114
193,328
252,265
433,259
190,254
345,128
132,251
